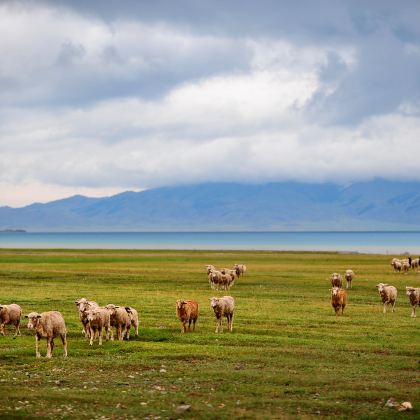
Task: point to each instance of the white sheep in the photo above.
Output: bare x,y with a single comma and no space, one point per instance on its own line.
240,269
134,317
84,305
388,295
414,295
99,319
336,280
349,277
48,325
223,306
10,314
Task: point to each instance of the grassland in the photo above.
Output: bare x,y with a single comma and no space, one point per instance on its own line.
289,356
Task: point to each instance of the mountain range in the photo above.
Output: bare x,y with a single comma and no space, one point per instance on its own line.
282,206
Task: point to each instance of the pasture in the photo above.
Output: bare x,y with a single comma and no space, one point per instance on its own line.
289,356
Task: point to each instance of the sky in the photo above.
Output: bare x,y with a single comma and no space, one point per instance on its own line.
99,97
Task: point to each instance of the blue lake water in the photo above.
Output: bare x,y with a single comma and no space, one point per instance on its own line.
364,242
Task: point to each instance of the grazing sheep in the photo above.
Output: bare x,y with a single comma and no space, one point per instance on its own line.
48,325
223,306
84,305
10,314
388,295
120,320
134,317
415,263
338,299
349,277
336,280
414,295
187,311
99,319
240,269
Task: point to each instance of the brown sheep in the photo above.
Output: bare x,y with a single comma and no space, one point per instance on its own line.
48,325
10,314
187,312
338,299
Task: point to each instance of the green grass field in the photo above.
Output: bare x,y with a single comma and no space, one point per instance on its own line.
289,356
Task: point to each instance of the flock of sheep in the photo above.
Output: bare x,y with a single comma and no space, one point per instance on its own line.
97,320
187,310
387,292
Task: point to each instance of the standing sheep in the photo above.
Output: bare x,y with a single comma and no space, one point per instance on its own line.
336,280
83,305
338,299
48,325
187,312
134,317
98,320
414,295
396,264
388,295
120,320
223,306
415,263
349,277
240,269
10,314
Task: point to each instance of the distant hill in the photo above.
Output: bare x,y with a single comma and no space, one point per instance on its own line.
375,205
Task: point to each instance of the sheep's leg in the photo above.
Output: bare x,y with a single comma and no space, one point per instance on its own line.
393,305
37,353
17,330
49,347
64,341
385,308
217,325
100,335
342,309
112,333
137,330
92,335
413,312
120,333
231,323
2,329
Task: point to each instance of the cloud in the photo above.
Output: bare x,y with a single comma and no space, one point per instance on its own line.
106,99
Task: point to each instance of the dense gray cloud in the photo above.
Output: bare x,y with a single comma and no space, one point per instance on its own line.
102,96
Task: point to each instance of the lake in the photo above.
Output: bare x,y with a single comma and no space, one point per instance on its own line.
364,242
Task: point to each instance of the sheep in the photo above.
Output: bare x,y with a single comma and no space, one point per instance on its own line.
223,306
396,264
415,263
405,265
215,278
187,311
388,295
414,295
349,277
10,314
48,325
84,305
120,320
336,280
338,299
99,319
240,269
229,271
134,317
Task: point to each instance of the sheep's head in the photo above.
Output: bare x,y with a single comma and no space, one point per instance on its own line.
80,301
111,308
381,287
409,290
92,314
214,302
33,319
334,291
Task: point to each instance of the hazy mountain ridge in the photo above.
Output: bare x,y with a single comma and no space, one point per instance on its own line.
372,205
